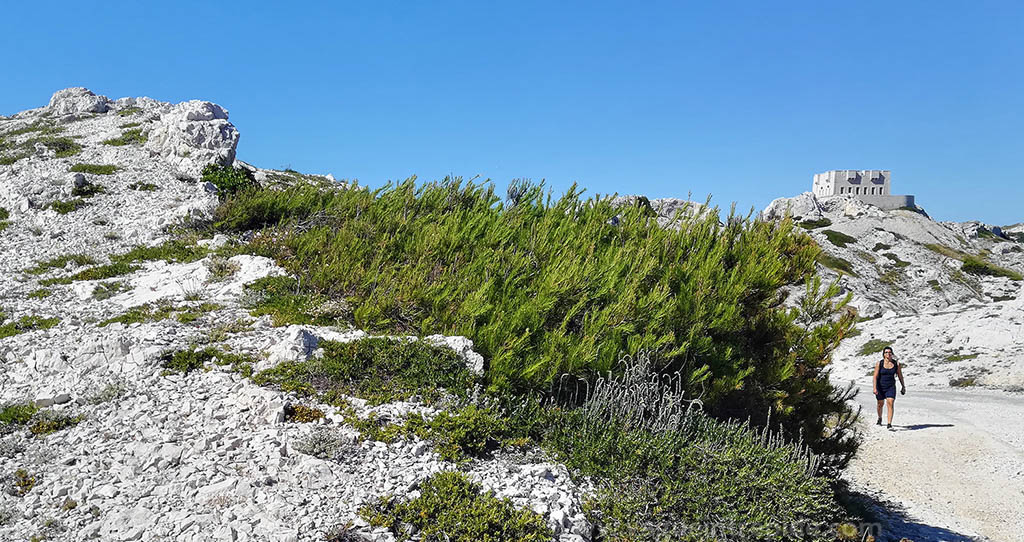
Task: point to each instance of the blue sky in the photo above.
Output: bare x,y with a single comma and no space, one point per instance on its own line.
741,100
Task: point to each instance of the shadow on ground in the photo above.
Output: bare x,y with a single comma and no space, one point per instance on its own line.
921,426
893,523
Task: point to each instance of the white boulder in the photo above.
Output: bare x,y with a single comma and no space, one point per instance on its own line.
194,134
77,100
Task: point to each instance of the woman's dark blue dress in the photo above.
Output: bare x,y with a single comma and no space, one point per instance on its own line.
886,381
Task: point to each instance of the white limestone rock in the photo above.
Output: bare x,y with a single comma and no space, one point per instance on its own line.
77,100
802,207
192,135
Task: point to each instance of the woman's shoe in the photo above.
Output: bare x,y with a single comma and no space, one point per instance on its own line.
879,422
888,426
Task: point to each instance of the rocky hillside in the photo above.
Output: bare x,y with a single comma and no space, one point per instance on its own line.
946,295
107,430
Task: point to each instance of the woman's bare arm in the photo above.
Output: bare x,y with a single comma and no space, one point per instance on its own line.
899,373
874,379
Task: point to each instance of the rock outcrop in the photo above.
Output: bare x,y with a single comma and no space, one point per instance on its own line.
192,135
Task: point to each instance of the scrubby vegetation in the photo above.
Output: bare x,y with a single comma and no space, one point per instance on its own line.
143,187
62,147
60,262
838,238
836,263
162,310
133,136
4,215
814,224
93,169
188,360
175,250
228,179
553,292
451,507
978,266
874,346
379,370
67,206
25,324
896,261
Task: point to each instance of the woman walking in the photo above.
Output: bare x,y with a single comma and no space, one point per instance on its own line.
886,372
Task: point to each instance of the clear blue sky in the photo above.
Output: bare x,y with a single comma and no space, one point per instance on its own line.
741,100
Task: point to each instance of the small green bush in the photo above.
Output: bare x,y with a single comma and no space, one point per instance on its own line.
934,283
186,361
173,251
130,125
960,357
4,214
377,369
40,293
94,169
48,421
88,190
881,246
18,413
814,224
143,187
470,432
133,136
874,346
26,324
228,179
148,312
282,299
977,266
68,206
838,239
60,262
836,263
23,482
896,259
302,414
450,507
129,111
946,251
106,290
62,147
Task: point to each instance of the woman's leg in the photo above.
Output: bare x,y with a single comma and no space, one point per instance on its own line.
880,403
891,402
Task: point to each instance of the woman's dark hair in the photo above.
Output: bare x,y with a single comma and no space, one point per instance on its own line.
889,348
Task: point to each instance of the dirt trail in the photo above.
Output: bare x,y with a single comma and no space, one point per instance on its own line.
954,461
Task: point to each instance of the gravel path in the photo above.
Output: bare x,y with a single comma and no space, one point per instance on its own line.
954,461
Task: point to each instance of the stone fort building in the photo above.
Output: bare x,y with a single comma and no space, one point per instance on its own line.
869,185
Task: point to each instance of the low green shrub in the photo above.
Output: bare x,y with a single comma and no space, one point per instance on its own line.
946,251
282,299
22,482
228,179
934,283
60,262
838,239
376,369
148,312
88,190
450,507
132,136
40,293
129,111
26,324
881,246
130,125
836,263
4,214
814,224
143,187
17,413
896,259
977,266
62,147
658,463
173,251
873,346
48,421
186,361
302,414
960,357
67,206
106,290
469,432
94,169
221,269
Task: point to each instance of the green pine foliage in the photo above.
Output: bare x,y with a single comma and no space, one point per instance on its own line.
549,287
376,369
838,238
228,179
